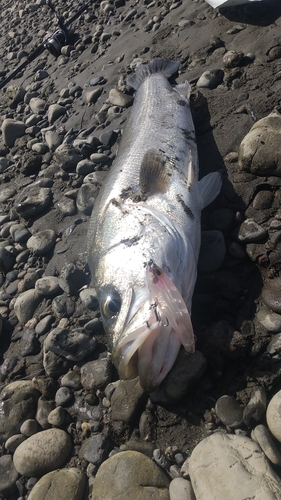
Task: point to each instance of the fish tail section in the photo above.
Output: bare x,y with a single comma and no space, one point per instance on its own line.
158,65
210,187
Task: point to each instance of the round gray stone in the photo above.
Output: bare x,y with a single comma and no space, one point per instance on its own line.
130,475
262,436
181,489
211,79
271,294
229,412
12,130
41,242
60,485
43,452
32,201
273,416
8,475
251,232
25,305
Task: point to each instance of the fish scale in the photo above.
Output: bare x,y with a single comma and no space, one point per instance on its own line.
147,218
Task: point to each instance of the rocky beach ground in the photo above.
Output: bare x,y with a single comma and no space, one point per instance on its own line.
69,428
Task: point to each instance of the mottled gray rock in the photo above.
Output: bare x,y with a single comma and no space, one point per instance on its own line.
271,294
66,206
29,427
63,306
43,452
256,407
7,260
259,152
127,400
41,242
212,251
29,344
56,417
250,231
89,298
270,320
229,412
12,130
7,193
55,111
211,79
240,462
273,416
18,402
86,197
96,374
74,344
32,201
14,95
25,305
9,363
72,379
100,158
63,396
60,485
118,98
48,286
96,450
91,96
72,278
269,446
45,406
187,370
53,139
44,325
85,167
232,58
37,105
67,157
13,442
274,346
8,474
130,475
181,489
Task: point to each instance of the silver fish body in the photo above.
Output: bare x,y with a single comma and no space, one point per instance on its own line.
144,235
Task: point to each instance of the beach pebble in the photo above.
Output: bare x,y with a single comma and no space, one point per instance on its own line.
232,58
187,370
89,298
32,201
48,285
45,406
43,326
85,167
211,79
67,157
29,427
135,397
96,449
7,260
25,305
86,198
270,320
262,436
63,396
60,485
273,416
67,206
74,344
56,417
229,412
55,111
12,130
212,251
118,98
63,306
240,461
181,489
29,344
9,476
96,374
18,402
130,474
256,406
53,139
274,346
43,452
14,95
72,379
250,231
37,105
72,278
41,242
13,442
91,96
271,294
7,193
259,150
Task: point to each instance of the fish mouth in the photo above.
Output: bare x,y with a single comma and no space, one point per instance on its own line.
151,349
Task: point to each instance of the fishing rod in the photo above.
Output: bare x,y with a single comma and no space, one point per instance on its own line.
53,43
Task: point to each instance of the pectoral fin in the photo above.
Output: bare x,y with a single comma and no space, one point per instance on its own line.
154,175
210,187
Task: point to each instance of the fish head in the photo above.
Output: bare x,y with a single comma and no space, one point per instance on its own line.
146,324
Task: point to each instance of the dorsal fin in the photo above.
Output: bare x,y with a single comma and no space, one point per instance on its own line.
154,177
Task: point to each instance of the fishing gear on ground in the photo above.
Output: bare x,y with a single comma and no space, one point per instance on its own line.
53,43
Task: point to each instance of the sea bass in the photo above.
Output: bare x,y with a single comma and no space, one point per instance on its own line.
144,234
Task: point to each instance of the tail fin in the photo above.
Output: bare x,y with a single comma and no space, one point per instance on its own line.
158,65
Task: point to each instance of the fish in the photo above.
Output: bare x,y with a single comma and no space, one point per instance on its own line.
145,229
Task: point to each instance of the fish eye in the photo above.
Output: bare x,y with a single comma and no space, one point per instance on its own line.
110,304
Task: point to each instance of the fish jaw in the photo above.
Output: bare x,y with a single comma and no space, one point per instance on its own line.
150,350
